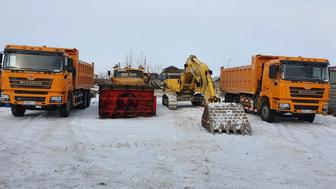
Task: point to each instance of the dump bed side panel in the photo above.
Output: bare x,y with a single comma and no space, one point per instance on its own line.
237,80
244,79
84,76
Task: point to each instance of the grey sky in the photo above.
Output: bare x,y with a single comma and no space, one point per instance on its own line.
168,31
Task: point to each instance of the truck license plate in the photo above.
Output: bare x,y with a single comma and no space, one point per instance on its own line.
308,111
29,103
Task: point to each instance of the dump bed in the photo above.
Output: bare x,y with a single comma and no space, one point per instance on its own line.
84,75
244,79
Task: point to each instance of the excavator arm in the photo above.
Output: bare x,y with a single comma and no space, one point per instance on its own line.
197,78
196,83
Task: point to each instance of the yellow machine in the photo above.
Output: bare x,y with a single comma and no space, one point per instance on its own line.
126,94
195,85
128,76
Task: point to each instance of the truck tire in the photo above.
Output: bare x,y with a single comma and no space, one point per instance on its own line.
266,113
84,101
307,117
66,108
18,111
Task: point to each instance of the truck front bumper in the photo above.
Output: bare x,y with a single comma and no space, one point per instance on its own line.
296,106
33,101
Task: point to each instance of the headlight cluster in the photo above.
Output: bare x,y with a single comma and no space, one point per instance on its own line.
56,99
5,98
325,107
284,106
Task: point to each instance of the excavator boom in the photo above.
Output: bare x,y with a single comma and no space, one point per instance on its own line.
195,84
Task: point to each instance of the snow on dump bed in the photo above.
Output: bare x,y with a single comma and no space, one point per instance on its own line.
171,150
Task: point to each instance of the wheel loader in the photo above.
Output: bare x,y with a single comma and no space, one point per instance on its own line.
126,94
195,85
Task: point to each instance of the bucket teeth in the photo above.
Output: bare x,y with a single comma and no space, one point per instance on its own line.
226,117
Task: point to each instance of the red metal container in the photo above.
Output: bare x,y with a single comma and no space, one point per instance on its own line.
126,102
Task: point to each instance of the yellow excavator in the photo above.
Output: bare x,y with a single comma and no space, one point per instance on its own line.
195,85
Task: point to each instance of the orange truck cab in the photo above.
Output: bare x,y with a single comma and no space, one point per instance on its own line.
274,85
45,78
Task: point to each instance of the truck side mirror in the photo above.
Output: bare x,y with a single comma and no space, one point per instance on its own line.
70,67
1,55
272,72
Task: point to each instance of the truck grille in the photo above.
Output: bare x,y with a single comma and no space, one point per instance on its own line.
38,83
31,92
27,98
301,92
301,107
306,101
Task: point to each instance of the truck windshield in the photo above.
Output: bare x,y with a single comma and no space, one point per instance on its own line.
33,62
305,71
133,74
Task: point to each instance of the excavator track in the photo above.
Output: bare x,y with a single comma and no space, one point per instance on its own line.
170,100
229,118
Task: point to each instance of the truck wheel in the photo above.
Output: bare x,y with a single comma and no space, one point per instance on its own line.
18,111
266,113
66,108
84,101
307,117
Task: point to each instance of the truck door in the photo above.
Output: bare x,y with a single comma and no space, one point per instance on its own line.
271,80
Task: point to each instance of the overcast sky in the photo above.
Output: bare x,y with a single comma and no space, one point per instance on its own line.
219,32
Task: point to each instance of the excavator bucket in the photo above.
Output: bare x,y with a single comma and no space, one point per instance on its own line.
126,102
226,118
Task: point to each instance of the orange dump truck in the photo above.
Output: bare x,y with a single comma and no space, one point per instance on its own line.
45,78
274,85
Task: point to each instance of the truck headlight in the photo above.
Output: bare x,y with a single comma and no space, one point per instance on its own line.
5,97
57,99
325,107
284,106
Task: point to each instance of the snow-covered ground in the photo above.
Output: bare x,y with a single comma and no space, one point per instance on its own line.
170,150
